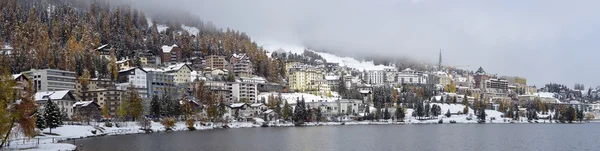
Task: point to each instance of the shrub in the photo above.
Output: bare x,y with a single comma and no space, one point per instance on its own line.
145,124
190,124
94,132
168,123
108,124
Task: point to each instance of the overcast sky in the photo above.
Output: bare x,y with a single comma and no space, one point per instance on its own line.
542,40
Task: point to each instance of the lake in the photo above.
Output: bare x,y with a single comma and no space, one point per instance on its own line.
476,137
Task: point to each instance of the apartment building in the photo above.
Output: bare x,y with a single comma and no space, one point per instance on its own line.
171,54
302,78
160,83
375,77
51,79
181,73
135,77
215,62
240,65
243,92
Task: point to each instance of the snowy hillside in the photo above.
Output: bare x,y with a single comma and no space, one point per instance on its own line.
343,61
192,30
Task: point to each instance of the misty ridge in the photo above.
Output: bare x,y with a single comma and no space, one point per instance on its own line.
522,42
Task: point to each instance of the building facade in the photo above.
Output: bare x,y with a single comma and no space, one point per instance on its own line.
243,92
215,62
51,79
171,54
181,73
240,65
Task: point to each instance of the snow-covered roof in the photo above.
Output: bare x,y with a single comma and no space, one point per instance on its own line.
332,78
153,69
239,55
122,61
131,68
236,105
268,111
175,67
83,103
256,104
167,49
544,94
53,95
15,76
102,47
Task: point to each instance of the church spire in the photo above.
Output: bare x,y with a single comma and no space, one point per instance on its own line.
440,62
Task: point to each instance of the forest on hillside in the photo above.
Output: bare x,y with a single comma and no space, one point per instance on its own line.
64,34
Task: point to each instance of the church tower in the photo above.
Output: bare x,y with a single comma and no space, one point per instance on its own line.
440,62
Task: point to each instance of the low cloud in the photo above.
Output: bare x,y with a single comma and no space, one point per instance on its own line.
544,41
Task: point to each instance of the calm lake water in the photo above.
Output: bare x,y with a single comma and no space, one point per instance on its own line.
475,137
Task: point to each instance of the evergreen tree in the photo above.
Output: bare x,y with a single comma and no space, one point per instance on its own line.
52,115
278,107
287,111
40,123
386,114
448,113
319,115
400,114
155,107
427,109
481,116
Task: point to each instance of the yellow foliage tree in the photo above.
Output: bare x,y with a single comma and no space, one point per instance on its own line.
112,65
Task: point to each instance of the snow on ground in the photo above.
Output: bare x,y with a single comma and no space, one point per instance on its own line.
292,98
48,142
192,30
343,61
161,27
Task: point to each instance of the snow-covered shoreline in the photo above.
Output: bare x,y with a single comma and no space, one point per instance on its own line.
74,132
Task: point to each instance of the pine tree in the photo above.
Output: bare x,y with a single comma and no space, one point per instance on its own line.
155,109
481,115
52,115
40,123
319,115
112,66
448,113
400,113
287,111
427,110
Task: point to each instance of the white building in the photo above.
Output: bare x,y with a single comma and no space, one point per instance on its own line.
51,79
374,77
63,99
135,77
243,92
181,73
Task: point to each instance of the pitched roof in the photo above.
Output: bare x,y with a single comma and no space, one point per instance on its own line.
480,71
53,95
256,104
83,103
176,67
236,105
132,68
167,49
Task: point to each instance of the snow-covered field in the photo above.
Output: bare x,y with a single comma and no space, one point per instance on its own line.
292,98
